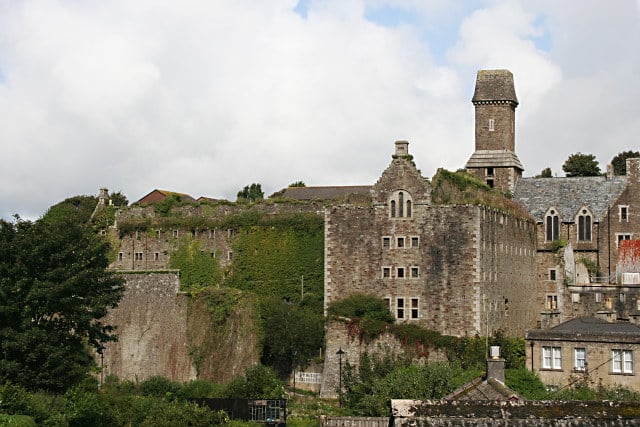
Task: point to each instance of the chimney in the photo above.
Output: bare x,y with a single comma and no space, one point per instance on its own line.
633,170
495,365
610,171
402,148
102,196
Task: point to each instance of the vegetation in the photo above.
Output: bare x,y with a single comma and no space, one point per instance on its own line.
54,288
297,184
619,162
198,269
251,193
579,164
545,173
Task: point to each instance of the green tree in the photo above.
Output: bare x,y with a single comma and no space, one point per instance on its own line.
545,173
297,184
54,289
619,162
118,199
579,164
251,193
259,382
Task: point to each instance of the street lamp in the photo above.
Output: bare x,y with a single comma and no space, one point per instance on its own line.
340,353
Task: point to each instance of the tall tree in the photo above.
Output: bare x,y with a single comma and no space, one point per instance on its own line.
251,193
579,164
545,173
619,162
54,289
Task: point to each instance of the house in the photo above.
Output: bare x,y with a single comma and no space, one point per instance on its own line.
160,195
585,350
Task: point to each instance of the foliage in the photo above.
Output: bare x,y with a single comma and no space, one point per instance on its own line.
292,334
198,268
619,162
167,204
525,383
118,199
297,184
556,245
259,382
251,193
545,173
201,388
579,164
158,386
54,288
369,315
592,267
77,209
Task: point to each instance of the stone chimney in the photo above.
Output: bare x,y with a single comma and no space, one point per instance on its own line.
610,171
103,196
402,148
495,365
633,170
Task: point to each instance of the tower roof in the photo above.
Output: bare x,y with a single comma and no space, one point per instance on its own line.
495,86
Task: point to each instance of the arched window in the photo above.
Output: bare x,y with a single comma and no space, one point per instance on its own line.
584,226
400,205
552,226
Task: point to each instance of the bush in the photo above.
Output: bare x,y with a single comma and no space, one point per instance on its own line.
259,382
525,383
158,386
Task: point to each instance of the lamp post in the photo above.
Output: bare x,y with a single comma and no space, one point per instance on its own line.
340,353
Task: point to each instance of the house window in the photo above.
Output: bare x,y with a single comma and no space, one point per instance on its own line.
551,357
156,256
575,297
492,125
138,256
386,272
415,272
400,308
386,242
489,171
552,302
120,256
584,226
580,359
598,297
415,242
400,274
400,205
490,183
400,242
622,236
175,233
552,274
622,361
621,297
230,255
624,213
415,308
552,226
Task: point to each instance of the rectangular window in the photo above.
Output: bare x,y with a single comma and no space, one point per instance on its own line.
624,213
552,302
194,233
415,308
598,297
621,297
575,297
400,272
386,242
400,308
138,256
622,361
415,272
176,233
156,256
580,359
400,242
230,255
552,274
622,236
386,272
551,357
490,171
492,125
120,256
415,242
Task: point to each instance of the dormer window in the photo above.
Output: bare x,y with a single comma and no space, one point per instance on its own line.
400,205
584,226
552,226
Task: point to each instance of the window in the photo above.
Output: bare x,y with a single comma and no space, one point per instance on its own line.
492,125
194,233
490,183
621,297
622,236
415,272
580,359
158,234
175,233
156,256
552,226
415,242
138,256
103,232
575,297
400,308
120,256
400,205
415,308
552,274
386,272
624,213
400,274
622,361
584,226
598,297
386,242
551,357
552,302
230,255
490,171
608,302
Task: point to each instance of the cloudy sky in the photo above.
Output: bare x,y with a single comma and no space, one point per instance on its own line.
204,97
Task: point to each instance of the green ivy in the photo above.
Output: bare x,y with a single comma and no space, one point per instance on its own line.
198,268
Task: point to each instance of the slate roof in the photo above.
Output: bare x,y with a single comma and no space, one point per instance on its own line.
325,193
588,327
568,195
494,85
479,389
494,158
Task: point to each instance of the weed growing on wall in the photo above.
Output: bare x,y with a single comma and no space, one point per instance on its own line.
198,268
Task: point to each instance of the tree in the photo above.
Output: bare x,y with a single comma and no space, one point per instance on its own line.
619,162
54,289
251,193
545,173
297,184
579,164
118,199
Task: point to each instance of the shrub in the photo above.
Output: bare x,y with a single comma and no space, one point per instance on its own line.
159,387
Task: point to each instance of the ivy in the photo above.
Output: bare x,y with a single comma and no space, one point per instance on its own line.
198,268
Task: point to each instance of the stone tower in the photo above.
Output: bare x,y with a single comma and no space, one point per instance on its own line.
494,160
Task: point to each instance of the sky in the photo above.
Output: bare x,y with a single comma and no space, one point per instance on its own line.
204,97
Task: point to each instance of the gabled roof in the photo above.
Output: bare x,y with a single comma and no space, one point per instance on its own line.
568,195
588,327
479,389
159,195
325,193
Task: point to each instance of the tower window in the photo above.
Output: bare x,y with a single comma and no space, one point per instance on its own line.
492,125
400,205
490,171
490,183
